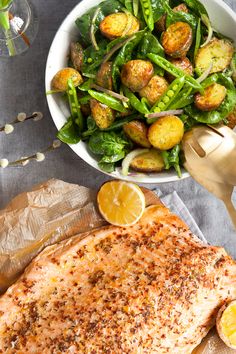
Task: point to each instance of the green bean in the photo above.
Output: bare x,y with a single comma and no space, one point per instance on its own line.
183,99
168,97
135,102
173,70
108,101
148,13
74,104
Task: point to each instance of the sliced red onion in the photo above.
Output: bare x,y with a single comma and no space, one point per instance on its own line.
165,113
205,74
129,158
128,24
115,48
207,23
111,93
92,35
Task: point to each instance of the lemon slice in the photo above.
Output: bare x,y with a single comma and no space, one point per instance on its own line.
121,203
226,324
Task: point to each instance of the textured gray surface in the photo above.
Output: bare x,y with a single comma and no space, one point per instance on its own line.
22,89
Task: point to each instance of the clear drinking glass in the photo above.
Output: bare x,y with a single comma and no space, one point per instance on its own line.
18,27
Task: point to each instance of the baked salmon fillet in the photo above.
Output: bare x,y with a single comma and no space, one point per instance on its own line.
149,288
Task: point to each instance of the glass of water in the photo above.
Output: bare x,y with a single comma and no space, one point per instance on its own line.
18,27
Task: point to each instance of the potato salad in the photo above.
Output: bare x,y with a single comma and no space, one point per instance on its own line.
140,75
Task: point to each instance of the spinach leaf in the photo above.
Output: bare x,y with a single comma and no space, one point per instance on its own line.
91,128
108,143
197,7
172,159
158,9
173,16
93,58
106,167
214,117
84,22
124,55
69,133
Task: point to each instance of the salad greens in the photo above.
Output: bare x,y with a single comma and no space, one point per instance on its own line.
118,39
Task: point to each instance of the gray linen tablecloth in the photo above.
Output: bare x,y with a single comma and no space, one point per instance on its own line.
22,90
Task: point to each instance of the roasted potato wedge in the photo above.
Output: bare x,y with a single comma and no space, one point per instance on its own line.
137,132
232,119
150,161
156,87
212,98
118,25
103,115
161,24
219,52
60,80
177,39
76,55
136,74
166,132
104,75
183,64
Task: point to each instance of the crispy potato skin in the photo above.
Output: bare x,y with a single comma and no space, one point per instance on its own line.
156,87
137,132
232,119
136,74
161,24
103,115
119,24
76,55
218,51
166,132
212,98
60,80
177,39
104,75
150,161
183,64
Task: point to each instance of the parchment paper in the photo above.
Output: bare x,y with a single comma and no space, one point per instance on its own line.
56,210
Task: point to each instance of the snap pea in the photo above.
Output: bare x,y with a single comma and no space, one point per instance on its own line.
108,100
74,104
168,97
183,99
198,38
135,102
173,70
147,13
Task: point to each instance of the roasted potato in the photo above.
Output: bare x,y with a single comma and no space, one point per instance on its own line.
166,132
104,75
183,64
156,87
219,52
137,132
136,74
76,55
103,115
212,98
118,25
177,39
232,119
161,24
85,109
60,80
150,161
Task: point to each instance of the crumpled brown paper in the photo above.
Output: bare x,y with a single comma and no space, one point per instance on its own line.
51,212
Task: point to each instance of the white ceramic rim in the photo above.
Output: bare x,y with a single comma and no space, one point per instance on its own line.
68,30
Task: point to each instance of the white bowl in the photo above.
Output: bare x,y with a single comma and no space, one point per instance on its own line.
223,19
